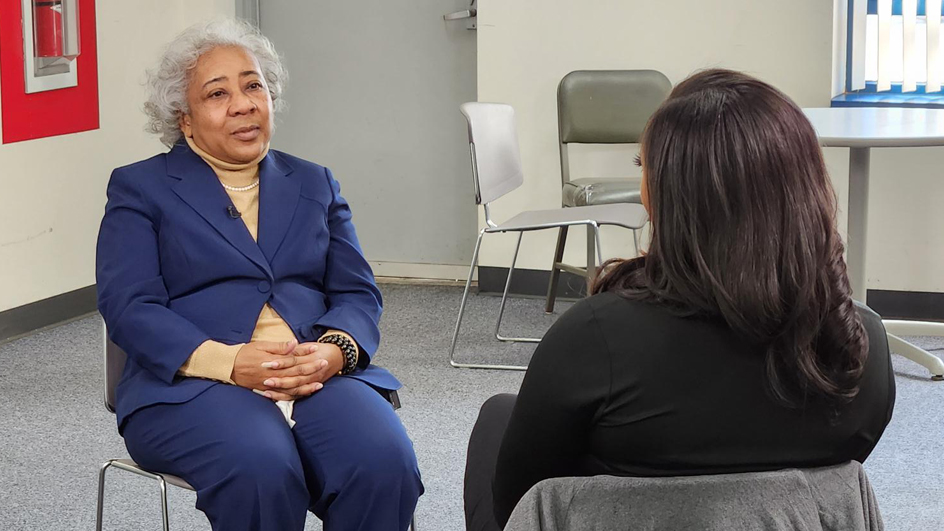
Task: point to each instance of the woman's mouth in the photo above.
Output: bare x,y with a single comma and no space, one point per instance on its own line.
247,133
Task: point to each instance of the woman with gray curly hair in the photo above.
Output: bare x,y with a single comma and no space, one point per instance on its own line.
232,276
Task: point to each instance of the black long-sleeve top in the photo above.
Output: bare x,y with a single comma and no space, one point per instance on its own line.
628,388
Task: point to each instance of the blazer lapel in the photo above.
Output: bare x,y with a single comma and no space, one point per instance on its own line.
200,188
278,198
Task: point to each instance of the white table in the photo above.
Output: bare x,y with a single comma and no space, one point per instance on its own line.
860,129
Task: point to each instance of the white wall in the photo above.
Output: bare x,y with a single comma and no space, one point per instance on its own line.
53,190
525,47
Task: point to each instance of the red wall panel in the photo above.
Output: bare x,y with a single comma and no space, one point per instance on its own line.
55,112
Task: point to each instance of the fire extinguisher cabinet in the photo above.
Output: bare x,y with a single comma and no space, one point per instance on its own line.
51,44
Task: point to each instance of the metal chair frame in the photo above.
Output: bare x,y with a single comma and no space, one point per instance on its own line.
163,480
593,231
594,253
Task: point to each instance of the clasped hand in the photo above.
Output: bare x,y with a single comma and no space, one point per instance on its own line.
286,371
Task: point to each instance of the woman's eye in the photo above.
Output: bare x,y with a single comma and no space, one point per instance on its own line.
255,85
637,160
217,94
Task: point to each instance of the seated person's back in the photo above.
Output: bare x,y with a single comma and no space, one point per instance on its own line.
625,387
733,345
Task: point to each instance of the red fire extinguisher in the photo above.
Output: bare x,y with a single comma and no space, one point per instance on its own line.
47,21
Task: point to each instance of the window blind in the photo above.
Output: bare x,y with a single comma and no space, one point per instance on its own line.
909,66
895,42
884,81
934,68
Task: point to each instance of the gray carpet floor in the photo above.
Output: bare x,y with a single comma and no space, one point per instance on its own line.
54,432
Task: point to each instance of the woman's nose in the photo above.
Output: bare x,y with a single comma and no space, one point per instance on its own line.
242,104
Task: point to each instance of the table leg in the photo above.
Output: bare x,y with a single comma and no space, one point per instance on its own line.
858,213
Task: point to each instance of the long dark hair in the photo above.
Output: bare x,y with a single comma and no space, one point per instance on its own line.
743,221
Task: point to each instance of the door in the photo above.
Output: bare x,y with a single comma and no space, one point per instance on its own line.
373,94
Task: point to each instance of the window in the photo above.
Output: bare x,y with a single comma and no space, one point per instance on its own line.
894,54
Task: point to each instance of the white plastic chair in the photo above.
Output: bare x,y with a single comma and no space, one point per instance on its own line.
496,170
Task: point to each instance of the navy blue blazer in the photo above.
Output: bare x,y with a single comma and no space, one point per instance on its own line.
174,269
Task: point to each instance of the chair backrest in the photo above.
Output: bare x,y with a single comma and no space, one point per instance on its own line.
114,365
608,106
493,140
831,499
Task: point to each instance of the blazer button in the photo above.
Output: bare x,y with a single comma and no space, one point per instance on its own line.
264,286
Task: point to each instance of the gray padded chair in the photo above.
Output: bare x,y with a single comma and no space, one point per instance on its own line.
601,107
835,498
496,170
115,359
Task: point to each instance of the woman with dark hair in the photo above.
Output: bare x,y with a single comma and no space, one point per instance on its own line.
733,345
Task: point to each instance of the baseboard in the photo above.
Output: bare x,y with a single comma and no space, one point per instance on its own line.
909,305
420,271
25,319
530,283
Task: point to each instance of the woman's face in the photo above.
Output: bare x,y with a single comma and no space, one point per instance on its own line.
644,191
643,187
230,108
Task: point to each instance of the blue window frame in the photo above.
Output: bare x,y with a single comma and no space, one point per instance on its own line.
869,96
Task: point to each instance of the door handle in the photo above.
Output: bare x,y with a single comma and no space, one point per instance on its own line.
459,15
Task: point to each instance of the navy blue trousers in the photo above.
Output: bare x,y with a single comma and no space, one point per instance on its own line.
348,459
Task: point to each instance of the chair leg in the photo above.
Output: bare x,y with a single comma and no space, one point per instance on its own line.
511,271
101,495
455,334
555,271
163,485
465,296
596,238
504,299
593,239
636,241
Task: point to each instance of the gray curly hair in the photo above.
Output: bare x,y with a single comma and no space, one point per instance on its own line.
167,84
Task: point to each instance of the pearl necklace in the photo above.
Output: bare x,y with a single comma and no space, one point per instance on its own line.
240,188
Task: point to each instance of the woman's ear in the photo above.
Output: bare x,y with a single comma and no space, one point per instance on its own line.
184,121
